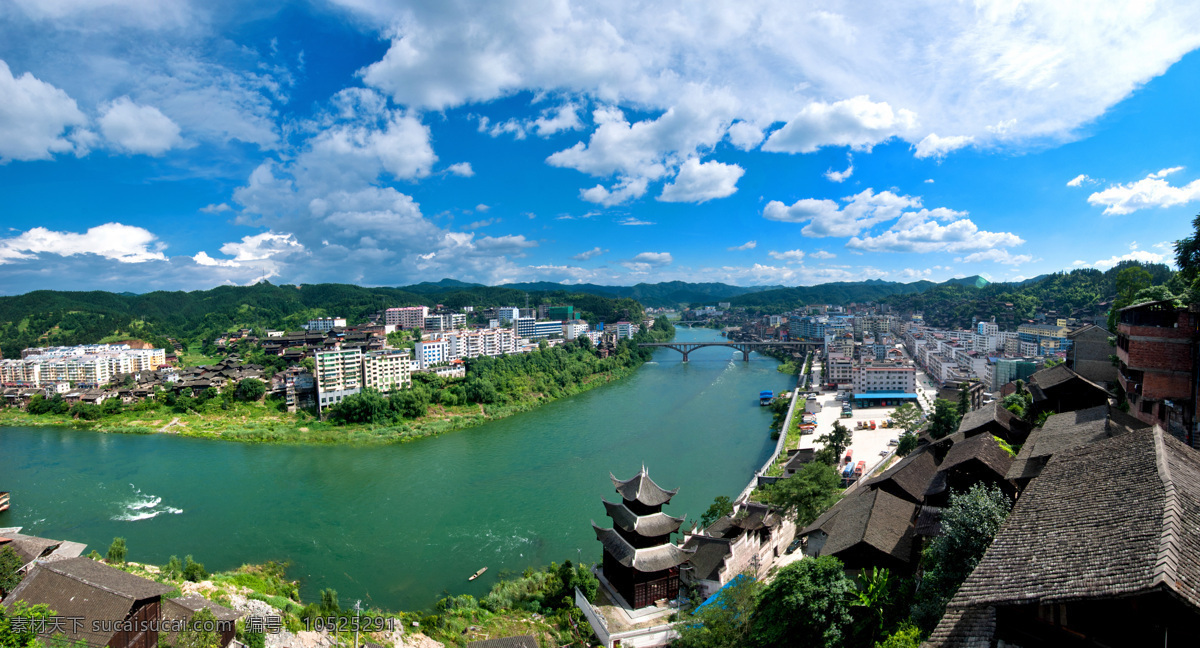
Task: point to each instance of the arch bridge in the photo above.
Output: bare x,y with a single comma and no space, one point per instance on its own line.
745,347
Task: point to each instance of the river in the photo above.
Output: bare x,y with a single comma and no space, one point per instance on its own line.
399,526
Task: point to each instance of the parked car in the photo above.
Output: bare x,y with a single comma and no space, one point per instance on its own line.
860,469
893,442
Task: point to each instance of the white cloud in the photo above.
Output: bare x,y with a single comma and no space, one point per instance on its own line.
1143,256
135,128
647,261
744,135
827,218
400,146
914,274
624,190
790,256
928,180
215,208
841,176
634,221
123,243
996,255
36,118
748,245
857,122
584,256
934,146
699,182
1080,180
821,254
1152,191
921,232
461,169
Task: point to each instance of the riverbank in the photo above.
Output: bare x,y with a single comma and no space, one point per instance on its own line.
261,423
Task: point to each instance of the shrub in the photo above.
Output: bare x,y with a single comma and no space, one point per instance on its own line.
116,552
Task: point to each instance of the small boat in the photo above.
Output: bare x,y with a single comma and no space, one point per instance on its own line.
764,397
477,574
3,501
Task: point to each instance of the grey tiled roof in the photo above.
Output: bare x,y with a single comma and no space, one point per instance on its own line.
976,420
752,516
655,524
982,448
647,559
869,516
964,628
1069,430
910,476
642,489
1114,518
709,556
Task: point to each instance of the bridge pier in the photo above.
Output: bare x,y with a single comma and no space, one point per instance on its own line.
684,355
745,355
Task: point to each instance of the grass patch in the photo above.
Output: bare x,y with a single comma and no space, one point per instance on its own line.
792,440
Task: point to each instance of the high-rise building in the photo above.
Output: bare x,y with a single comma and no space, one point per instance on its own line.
408,317
325,324
386,371
339,374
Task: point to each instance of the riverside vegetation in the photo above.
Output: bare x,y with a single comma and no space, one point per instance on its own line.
494,388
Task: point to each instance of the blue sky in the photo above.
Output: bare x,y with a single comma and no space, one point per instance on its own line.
170,144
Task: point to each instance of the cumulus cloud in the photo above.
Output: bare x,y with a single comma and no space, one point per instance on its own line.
938,147
1152,191
634,221
841,176
699,182
550,122
790,256
461,169
748,245
1080,180
36,118
647,261
921,232
996,255
122,243
821,254
134,128
624,190
827,218
584,256
215,208
857,122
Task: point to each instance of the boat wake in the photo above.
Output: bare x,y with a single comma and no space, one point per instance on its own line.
143,507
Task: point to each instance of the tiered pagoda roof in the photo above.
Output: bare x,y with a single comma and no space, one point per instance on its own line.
654,524
640,488
649,559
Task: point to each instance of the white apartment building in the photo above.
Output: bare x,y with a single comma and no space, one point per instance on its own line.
572,329
339,374
885,377
408,317
508,314
839,370
429,353
625,330
385,371
93,364
445,322
547,329
480,342
325,324
524,326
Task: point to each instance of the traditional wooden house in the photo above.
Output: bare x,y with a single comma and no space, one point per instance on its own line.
1101,550
1065,431
969,461
910,477
747,540
1058,389
640,561
179,611
993,419
870,527
115,609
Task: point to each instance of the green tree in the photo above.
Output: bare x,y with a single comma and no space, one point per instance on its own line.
1129,282
116,552
964,400
726,621
1187,254
906,636
193,571
329,602
968,525
10,562
838,440
807,494
21,635
907,417
872,602
807,605
906,444
945,419
200,631
720,507
173,569
250,389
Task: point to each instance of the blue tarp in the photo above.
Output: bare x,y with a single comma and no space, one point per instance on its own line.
882,395
717,594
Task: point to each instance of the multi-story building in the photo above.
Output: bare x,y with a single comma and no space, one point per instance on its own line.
339,374
1156,354
1048,338
325,324
438,322
386,371
574,328
807,328
408,317
91,364
625,330
428,353
884,377
560,313
523,327
1090,354
507,314
479,342
1006,370
550,328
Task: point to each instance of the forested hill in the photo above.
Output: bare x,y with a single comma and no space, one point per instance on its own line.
1074,293
47,317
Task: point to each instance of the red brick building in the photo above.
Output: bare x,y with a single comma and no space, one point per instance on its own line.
1156,350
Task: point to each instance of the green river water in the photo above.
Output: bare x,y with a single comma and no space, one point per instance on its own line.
399,526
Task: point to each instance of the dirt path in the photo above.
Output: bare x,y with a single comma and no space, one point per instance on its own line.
167,427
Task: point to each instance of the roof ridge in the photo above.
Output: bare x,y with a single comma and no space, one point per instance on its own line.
1166,565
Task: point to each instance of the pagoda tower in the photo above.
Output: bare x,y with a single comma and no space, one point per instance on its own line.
640,562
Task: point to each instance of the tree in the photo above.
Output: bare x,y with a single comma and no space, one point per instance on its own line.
24,634
250,389
329,602
945,419
964,400
907,417
839,439
1129,282
193,571
1187,254
808,604
720,507
968,525
10,562
174,568
726,621
116,552
906,636
906,444
807,494
200,631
